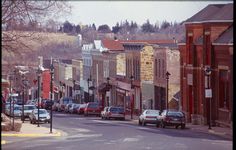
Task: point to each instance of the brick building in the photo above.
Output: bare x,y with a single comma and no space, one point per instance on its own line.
201,49
166,58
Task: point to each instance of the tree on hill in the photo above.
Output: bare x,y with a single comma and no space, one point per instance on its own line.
147,27
67,27
104,28
165,24
22,12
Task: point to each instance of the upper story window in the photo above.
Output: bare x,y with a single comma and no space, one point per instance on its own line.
155,66
163,68
159,68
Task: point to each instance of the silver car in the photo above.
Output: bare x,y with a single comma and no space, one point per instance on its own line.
43,116
149,116
17,110
28,110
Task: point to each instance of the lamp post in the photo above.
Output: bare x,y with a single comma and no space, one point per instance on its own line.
132,99
167,89
51,73
39,71
10,78
208,73
88,90
108,85
24,82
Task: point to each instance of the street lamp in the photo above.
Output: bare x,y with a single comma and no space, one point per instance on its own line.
132,99
51,73
208,73
89,79
11,78
25,83
108,86
39,71
167,89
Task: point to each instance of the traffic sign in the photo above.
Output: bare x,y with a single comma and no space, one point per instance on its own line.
208,93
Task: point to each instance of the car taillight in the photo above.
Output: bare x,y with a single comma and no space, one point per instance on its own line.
167,118
150,117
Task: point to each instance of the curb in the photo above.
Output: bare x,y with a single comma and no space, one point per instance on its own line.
57,134
217,133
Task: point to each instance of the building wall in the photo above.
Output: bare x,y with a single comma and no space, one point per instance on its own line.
194,58
46,78
120,67
146,63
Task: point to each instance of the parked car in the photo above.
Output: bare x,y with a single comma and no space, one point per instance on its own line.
54,106
63,102
43,116
48,104
92,108
17,110
73,108
115,113
149,116
81,108
172,118
104,112
28,110
68,106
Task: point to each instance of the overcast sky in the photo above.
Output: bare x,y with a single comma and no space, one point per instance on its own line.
110,12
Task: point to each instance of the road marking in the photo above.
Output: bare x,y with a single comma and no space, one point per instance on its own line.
3,142
130,140
31,135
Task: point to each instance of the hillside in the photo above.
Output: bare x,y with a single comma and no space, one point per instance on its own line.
41,43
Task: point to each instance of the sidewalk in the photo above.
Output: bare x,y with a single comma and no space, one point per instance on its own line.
220,131
32,130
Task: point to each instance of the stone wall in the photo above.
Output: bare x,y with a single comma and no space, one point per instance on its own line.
120,66
146,63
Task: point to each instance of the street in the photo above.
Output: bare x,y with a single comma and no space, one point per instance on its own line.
88,133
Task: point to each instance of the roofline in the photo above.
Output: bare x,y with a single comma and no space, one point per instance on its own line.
231,44
208,21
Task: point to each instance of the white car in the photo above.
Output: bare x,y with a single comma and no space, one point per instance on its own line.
149,116
44,116
28,110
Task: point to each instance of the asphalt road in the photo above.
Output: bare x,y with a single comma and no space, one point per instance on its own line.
92,133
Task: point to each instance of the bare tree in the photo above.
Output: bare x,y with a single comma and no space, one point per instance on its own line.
18,12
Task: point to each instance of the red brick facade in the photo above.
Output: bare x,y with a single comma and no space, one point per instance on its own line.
197,53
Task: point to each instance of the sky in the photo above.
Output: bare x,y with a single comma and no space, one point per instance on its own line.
111,12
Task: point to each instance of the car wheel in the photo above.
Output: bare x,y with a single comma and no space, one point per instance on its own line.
139,122
143,123
182,126
176,127
157,124
162,124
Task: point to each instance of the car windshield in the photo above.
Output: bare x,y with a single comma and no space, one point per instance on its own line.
116,109
17,108
29,107
152,112
93,105
177,114
41,112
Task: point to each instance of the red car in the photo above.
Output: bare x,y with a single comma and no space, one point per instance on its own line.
92,109
81,108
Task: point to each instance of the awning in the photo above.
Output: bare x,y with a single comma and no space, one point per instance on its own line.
103,87
177,96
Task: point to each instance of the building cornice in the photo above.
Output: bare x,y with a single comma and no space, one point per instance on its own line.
209,21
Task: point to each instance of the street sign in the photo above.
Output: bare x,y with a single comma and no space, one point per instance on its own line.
208,93
14,94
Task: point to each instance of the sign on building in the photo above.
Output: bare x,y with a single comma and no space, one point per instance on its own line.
190,79
208,93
